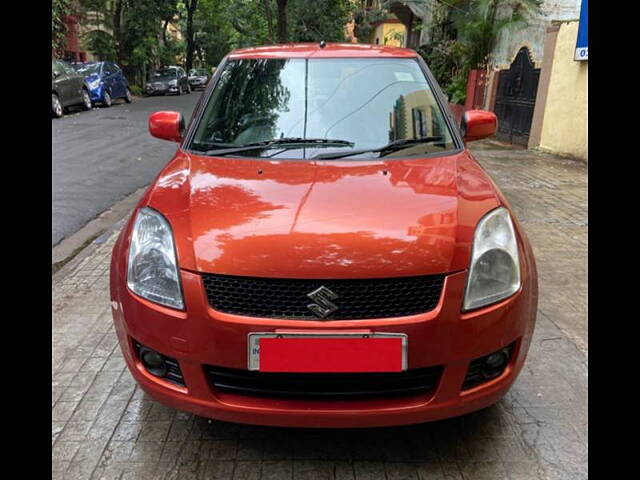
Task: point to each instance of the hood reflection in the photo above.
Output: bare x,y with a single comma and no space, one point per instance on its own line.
323,219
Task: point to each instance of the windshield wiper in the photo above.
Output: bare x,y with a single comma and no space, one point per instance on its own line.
388,148
280,142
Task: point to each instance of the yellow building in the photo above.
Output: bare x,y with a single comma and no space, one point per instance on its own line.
414,116
389,32
560,118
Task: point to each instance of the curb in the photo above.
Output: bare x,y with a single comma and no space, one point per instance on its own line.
71,247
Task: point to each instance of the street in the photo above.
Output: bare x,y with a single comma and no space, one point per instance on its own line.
103,155
105,427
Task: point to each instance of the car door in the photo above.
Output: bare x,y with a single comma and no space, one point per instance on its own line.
120,81
108,79
62,83
76,82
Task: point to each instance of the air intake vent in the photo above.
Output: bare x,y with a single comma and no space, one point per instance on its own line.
324,385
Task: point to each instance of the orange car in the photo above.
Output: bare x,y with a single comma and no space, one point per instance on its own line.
323,250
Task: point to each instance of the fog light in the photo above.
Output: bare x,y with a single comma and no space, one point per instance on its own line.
495,363
153,362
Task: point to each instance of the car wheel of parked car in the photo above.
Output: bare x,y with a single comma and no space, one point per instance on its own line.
56,106
106,100
127,97
86,100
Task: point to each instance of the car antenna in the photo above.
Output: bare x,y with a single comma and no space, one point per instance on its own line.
323,44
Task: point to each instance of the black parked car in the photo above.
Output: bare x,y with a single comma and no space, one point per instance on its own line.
168,80
198,78
67,88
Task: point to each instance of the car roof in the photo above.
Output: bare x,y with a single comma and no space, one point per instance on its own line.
329,50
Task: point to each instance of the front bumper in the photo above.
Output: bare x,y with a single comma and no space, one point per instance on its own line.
201,336
97,93
161,90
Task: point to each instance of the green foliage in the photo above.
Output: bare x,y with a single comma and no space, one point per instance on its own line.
59,8
365,21
101,44
452,53
135,38
136,90
247,21
447,60
318,20
480,26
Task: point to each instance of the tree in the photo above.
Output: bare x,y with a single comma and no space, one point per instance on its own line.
319,20
481,25
59,9
267,13
191,6
477,25
282,21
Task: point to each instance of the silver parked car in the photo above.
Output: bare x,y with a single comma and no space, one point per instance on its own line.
198,78
165,80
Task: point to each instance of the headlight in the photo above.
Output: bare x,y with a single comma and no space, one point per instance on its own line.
152,272
173,82
94,84
494,271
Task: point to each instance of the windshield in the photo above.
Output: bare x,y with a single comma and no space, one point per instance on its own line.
164,72
198,73
368,102
87,68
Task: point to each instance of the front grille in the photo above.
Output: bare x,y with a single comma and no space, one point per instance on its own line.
324,385
356,298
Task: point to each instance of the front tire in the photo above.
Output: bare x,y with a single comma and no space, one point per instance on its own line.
127,96
56,107
106,99
86,100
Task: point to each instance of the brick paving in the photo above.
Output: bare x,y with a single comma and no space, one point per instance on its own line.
105,427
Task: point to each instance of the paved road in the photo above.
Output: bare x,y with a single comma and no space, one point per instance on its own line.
101,156
105,427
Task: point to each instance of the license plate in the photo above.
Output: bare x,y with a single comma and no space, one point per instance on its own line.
327,352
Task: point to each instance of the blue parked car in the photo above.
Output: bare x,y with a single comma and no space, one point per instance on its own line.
105,81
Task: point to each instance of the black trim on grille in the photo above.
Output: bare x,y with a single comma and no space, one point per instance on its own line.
356,298
324,385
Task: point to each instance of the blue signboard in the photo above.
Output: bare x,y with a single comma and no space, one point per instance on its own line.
582,45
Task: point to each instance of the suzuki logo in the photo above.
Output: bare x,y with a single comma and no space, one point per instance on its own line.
323,306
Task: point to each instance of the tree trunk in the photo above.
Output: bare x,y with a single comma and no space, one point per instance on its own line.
282,21
164,32
267,11
191,8
117,30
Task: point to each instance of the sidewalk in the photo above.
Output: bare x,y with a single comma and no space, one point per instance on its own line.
104,427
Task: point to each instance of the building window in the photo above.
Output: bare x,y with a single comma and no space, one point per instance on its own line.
419,123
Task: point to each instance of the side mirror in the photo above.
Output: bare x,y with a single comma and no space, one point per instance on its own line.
167,126
478,124
54,75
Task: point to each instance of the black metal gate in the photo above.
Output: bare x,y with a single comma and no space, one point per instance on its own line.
516,98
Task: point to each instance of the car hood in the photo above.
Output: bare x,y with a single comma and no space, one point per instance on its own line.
325,219
92,77
161,79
